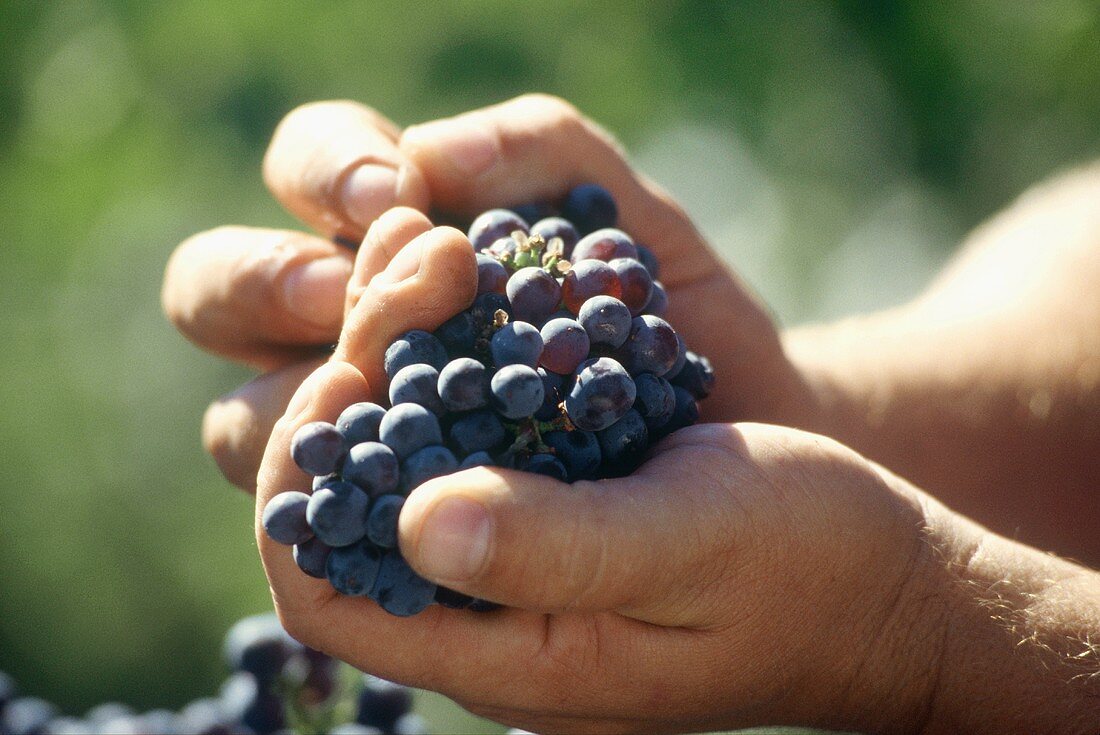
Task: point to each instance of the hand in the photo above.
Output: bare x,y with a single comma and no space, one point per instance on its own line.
744,575
270,297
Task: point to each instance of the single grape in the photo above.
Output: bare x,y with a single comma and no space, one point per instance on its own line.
586,279
317,447
517,391
284,518
546,464
601,394
485,308
552,395
372,467
243,700
398,589
606,244
624,443
259,645
412,348
696,376
658,301
464,385
685,414
480,431
425,464
489,226
516,343
635,283
417,384
565,345
457,334
534,294
649,260
381,702
590,207
606,319
651,346
492,276
552,227
477,459
409,427
577,450
656,400
681,359
338,514
311,557
382,521
359,422
351,570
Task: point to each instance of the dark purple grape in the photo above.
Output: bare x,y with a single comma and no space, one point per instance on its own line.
484,310
606,244
413,348
417,384
564,345
649,260
373,467
551,395
491,274
681,359
635,283
477,459
243,700
624,443
284,518
351,570
452,600
517,391
381,702
317,447
464,385
534,212
651,346
685,414
321,680
658,301
259,645
546,464
312,556
696,376
409,427
590,207
476,432
426,464
587,279
359,422
655,401
552,227
382,520
516,343
338,514
606,319
534,294
601,394
457,334
489,226
398,589
577,450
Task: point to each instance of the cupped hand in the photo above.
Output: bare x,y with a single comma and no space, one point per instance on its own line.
269,298
745,574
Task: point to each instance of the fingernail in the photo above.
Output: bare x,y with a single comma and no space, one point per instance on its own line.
454,539
471,148
405,264
314,290
368,192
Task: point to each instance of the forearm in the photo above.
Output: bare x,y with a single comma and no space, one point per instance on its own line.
986,390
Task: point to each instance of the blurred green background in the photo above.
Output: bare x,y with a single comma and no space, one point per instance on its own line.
835,151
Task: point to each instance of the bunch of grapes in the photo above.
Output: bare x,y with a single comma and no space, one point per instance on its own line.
277,686
562,366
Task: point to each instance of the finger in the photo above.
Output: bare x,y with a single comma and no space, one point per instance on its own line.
387,235
431,278
336,166
536,147
256,295
237,426
643,546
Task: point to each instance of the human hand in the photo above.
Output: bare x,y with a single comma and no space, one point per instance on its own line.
270,297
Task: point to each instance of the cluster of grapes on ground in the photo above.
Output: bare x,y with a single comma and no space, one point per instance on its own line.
277,685
562,366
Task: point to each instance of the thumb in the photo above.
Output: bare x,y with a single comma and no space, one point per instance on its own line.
529,541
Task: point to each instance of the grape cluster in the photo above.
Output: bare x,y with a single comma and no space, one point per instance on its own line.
562,366
277,686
